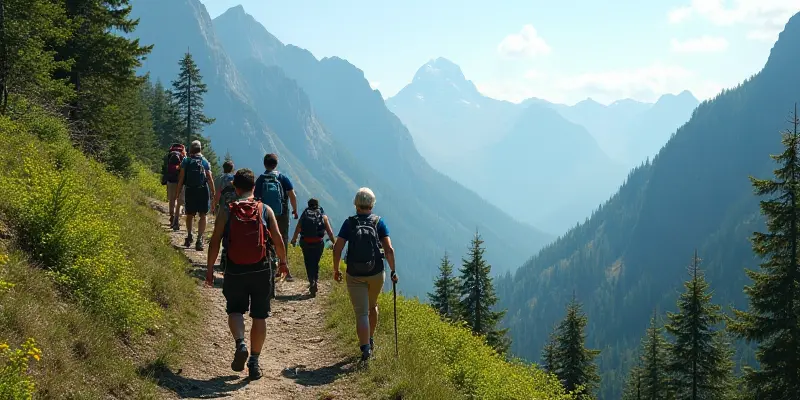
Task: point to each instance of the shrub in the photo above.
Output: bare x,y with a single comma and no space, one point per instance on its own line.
14,380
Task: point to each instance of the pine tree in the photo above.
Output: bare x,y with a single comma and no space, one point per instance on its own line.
445,297
550,355
773,318
228,156
634,384
166,120
655,379
188,91
478,298
575,364
28,31
699,364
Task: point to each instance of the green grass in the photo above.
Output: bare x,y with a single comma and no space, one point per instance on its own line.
437,360
89,275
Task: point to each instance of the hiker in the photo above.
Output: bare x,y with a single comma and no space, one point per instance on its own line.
170,171
196,177
274,189
368,237
243,227
311,228
225,191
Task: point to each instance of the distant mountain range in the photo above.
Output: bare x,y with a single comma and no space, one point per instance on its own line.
630,257
332,132
551,164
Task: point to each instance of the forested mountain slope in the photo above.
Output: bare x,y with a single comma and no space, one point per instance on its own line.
332,132
631,256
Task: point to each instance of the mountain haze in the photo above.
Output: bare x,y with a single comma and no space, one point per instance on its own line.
332,132
630,257
527,158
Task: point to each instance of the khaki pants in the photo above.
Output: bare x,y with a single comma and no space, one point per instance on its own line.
364,291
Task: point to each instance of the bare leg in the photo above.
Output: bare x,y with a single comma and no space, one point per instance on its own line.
236,324
258,334
201,226
373,321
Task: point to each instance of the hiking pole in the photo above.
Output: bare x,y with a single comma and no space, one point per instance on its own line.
394,299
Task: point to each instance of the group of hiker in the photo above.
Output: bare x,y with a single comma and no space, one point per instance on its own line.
251,231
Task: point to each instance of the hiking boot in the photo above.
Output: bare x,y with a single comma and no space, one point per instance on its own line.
289,277
365,356
239,358
313,289
254,371
176,225
199,245
188,241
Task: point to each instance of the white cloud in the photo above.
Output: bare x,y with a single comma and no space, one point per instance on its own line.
644,84
763,18
526,43
534,74
703,44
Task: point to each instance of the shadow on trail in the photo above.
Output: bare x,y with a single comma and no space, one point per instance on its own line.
222,386
293,297
320,376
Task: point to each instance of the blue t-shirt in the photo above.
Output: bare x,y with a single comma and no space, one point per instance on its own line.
344,231
187,160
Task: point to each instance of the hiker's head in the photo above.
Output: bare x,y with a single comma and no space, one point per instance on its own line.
243,181
227,167
195,147
365,199
313,203
271,161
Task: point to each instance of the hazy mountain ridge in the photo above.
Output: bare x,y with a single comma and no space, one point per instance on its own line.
631,256
260,107
557,169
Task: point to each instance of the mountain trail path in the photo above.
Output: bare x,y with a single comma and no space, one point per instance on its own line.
299,360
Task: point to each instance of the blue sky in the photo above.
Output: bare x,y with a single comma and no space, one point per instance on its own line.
563,51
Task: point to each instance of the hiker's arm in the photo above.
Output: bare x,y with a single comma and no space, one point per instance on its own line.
213,248
293,201
277,240
211,183
388,251
214,203
296,233
329,229
337,256
180,185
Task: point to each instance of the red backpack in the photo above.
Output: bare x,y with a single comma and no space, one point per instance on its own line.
174,160
246,232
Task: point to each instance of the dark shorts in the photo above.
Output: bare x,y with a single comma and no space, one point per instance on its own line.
250,291
197,200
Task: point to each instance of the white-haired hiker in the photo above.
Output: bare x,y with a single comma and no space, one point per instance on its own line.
369,244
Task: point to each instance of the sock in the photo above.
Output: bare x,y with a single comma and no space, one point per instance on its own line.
253,358
365,349
239,342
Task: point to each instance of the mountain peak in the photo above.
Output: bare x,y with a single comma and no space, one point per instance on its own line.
440,68
684,96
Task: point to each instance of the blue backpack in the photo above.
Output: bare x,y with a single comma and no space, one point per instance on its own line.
195,174
272,193
227,191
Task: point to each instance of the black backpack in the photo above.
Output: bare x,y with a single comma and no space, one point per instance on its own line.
312,224
227,192
174,160
364,246
195,174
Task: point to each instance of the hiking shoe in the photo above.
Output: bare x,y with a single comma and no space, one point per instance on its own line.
199,245
313,289
176,226
239,358
254,371
365,356
289,278
188,241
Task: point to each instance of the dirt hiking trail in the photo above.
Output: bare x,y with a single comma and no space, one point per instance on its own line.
299,359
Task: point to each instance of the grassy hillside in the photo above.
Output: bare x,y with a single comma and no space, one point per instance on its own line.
85,271
437,360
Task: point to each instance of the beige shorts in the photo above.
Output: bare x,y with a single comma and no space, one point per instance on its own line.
364,291
171,188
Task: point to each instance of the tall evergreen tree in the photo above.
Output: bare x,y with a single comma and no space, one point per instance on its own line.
699,366
575,364
655,378
550,359
445,298
28,31
634,384
166,119
478,297
188,91
773,318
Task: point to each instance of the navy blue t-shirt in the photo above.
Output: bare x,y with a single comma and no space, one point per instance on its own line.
383,232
